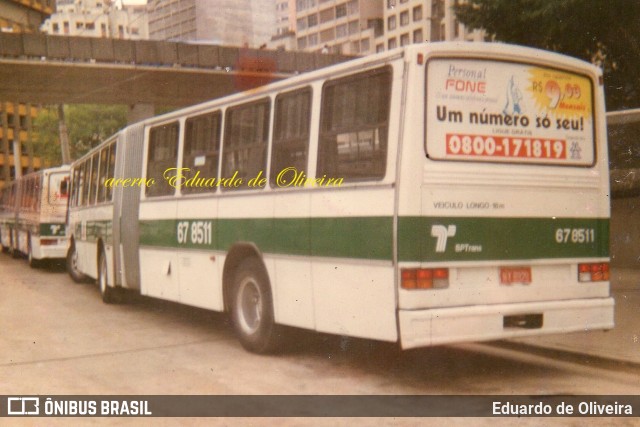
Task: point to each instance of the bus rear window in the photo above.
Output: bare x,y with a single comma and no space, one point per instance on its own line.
58,188
494,111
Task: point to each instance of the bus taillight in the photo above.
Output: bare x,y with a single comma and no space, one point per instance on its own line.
424,278
593,272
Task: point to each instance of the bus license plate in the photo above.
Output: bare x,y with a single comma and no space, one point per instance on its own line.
511,275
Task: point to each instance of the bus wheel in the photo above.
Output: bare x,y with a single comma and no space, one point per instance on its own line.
33,263
252,309
13,249
110,295
72,264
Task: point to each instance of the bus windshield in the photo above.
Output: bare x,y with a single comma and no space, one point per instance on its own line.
496,111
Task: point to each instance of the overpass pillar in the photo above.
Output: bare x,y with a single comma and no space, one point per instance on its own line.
138,112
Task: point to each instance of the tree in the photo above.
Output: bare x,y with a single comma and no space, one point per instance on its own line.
88,126
605,32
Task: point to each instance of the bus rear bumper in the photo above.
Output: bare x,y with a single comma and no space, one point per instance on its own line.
52,251
420,328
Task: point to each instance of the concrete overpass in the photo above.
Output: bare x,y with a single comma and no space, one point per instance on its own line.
42,69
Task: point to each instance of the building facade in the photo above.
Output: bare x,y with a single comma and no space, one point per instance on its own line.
338,26
98,18
228,22
361,27
418,21
16,134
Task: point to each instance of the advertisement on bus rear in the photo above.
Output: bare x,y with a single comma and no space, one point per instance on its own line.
494,111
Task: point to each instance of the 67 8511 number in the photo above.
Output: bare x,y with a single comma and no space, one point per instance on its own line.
195,232
575,235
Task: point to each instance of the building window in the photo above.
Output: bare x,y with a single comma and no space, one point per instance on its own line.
352,7
56,27
341,31
404,18
391,23
379,48
313,39
302,23
354,28
417,13
341,10
327,35
364,45
302,43
312,20
326,15
404,39
392,43
417,36
391,4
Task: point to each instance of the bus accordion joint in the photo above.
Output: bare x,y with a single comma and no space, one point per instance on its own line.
424,278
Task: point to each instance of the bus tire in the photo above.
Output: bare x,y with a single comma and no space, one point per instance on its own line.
72,264
110,295
252,309
33,262
13,249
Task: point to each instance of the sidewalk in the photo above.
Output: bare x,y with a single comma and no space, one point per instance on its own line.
621,343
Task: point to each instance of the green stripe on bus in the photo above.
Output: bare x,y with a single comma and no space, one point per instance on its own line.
465,239
481,239
356,237
94,230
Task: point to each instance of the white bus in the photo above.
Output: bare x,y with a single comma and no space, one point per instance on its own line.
432,194
33,215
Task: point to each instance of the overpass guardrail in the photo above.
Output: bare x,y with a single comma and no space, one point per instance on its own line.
160,53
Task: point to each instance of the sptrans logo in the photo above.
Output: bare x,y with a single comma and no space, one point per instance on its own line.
442,233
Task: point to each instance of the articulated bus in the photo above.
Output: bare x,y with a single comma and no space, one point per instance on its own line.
33,213
432,194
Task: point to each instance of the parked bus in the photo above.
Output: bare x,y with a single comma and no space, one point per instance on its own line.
33,215
432,194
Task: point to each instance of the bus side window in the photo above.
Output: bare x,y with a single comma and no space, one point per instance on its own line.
245,142
202,149
93,182
162,155
111,171
291,132
75,178
37,193
104,161
354,126
84,181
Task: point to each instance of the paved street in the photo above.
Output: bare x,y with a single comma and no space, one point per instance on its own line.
59,338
